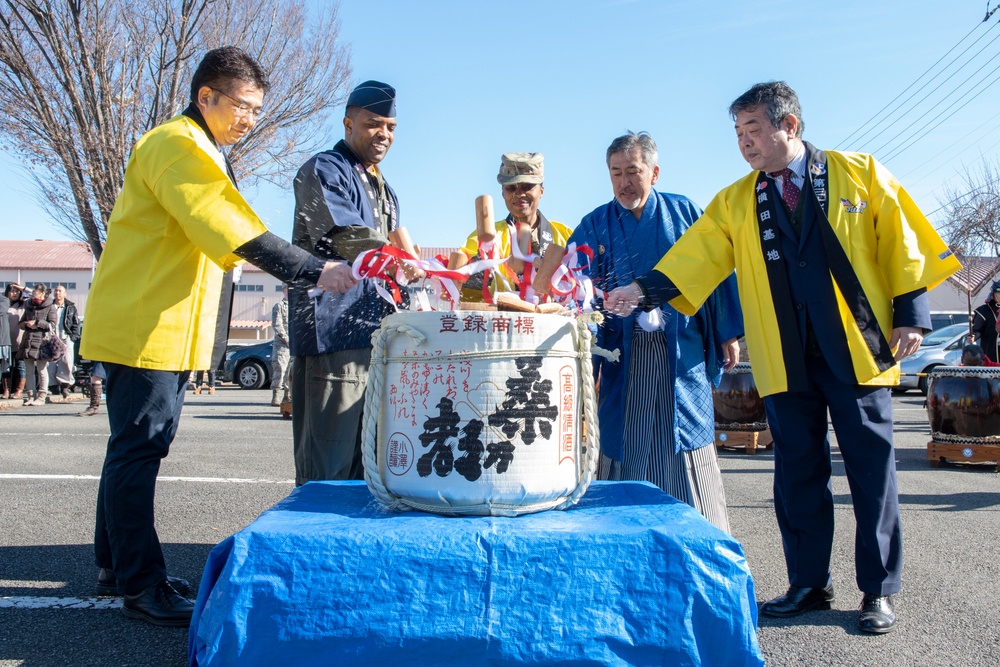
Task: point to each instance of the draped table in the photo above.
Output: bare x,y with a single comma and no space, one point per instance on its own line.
328,576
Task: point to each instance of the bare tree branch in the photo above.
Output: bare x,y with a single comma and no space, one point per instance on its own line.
972,224
82,80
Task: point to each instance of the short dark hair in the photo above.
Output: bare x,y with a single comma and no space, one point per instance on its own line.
221,66
777,98
642,142
972,355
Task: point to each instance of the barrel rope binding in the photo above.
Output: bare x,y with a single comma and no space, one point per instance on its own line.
752,426
373,404
952,439
962,371
589,446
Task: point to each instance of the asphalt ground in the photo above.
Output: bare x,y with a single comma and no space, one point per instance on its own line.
232,460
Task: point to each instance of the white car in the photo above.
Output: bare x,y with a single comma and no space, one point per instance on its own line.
932,353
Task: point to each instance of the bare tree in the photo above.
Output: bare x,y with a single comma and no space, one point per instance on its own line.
972,227
972,212
82,80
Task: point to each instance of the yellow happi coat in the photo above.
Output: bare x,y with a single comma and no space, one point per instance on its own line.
500,280
892,248
154,300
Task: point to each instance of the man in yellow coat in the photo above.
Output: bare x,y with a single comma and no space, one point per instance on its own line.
178,226
833,261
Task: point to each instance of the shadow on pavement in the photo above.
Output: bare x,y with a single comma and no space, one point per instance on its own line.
244,417
848,620
57,636
952,502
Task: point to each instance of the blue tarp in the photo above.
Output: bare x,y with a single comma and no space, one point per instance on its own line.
327,576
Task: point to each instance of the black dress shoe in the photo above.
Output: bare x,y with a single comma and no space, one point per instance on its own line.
876,616
160,605
798,600
107,585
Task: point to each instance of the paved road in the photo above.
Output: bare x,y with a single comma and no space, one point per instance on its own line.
948,610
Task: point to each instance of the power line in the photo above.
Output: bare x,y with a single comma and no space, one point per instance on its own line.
917,80
899,150
931,92
963,196
943,151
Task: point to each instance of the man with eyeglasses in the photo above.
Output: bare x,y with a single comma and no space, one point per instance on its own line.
521,179
178,226
343,207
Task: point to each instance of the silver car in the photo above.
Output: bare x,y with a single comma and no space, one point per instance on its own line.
931,354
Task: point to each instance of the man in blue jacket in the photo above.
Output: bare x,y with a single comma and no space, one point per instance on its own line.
343,207
655,403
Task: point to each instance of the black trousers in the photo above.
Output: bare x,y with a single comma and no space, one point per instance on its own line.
803,495
144,409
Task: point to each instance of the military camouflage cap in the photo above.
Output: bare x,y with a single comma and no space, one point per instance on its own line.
521,168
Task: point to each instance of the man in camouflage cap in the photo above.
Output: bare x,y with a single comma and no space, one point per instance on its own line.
521,179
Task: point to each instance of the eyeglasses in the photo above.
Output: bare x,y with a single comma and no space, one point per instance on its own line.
242,109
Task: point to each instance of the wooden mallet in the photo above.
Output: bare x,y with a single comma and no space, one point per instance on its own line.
400,238
551,259
486,229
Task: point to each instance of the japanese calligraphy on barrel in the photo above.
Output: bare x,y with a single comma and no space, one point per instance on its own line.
480,412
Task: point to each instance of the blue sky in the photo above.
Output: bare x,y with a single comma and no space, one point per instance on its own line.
477,79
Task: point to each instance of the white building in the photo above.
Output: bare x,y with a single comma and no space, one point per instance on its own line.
67,263
71,264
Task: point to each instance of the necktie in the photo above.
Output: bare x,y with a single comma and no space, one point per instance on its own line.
789,191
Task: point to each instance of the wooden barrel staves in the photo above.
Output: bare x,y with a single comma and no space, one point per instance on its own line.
738,406
740,419
480,412
963,408
964,401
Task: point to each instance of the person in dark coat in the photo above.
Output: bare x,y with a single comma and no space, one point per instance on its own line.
6,352
13,312
39,318
343,207
984,323
69,332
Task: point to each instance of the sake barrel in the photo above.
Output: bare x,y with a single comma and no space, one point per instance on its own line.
736,401
480,412
964,402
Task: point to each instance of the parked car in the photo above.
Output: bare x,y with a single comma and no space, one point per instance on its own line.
942,318
931,354
249,366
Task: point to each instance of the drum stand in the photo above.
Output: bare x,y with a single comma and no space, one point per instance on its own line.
746,437
963,450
